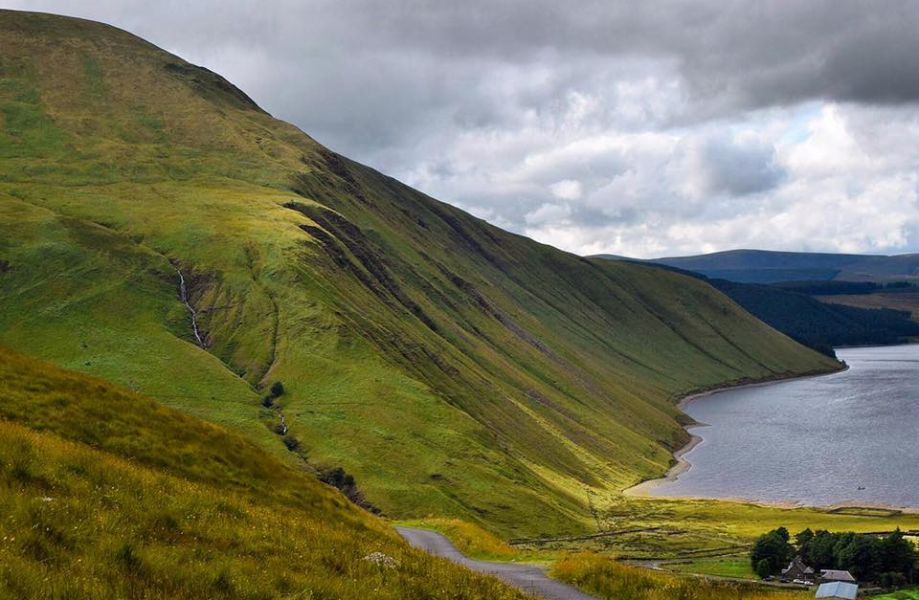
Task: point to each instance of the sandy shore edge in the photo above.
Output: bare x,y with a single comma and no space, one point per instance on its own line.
681,465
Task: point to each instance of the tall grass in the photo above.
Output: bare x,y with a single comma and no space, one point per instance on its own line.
611,580
469,538
78,523
113,496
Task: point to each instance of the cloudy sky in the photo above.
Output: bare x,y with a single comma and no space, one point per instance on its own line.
636,128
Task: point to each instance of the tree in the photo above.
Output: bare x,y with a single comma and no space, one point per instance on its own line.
803,542
764,568
821,550
861,557
277,389
897,555
773,548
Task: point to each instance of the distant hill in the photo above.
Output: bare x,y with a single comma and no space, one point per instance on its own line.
763,266
826,314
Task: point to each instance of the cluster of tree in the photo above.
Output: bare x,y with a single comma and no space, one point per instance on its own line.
770,275
771,552
900,285
275,392
890,560
818,325
837,288
829,288
345,483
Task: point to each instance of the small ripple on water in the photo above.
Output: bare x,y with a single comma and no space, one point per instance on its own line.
813,441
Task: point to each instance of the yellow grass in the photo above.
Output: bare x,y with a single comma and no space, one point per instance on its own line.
105,494
470,539
609,579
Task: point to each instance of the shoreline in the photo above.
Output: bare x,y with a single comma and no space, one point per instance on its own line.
643,489
681,465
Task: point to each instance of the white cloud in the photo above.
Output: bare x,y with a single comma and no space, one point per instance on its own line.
567,189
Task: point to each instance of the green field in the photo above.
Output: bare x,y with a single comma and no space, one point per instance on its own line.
610,580
907,594
719,567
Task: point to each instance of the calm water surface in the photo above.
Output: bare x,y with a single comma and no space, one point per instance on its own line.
813,441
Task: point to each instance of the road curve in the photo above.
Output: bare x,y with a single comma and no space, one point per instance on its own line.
528,578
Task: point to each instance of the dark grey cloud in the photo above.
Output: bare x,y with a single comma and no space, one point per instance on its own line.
633,127
385,67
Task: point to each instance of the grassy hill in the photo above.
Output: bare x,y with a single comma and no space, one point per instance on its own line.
109,494
452,368
762,266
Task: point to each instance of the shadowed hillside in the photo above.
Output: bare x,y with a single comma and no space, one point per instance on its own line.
450,367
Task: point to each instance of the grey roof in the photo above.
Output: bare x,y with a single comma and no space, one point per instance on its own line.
797,562
836,575
837,589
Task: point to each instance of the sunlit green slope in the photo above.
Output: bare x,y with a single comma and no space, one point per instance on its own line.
107,494
452,367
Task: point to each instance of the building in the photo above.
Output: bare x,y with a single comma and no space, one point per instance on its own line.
797,571
829,575
837,590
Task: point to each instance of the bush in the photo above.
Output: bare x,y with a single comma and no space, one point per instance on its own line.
277,389
345,483
892,580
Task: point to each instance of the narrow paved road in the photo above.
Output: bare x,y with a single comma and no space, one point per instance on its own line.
525,577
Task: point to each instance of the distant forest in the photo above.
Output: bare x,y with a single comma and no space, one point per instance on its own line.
839,288
791,308
816,324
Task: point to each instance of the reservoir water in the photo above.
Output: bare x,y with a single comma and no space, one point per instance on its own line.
851,437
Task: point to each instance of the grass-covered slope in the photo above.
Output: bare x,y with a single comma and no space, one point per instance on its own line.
107,494
453,368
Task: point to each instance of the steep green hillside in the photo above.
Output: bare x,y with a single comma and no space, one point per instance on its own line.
451,367
107,494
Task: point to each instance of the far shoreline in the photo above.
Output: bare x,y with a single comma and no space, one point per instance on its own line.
681,465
